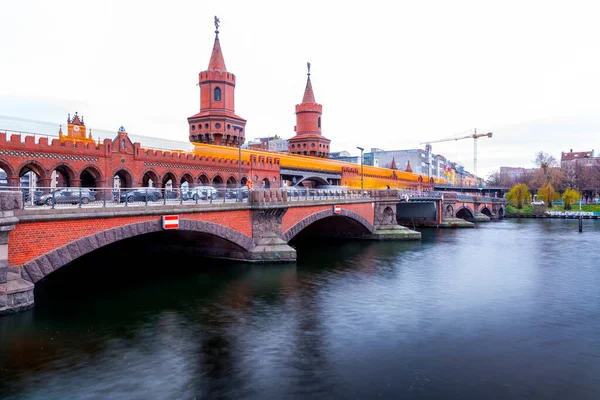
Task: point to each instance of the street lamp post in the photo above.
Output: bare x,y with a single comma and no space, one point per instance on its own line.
362,162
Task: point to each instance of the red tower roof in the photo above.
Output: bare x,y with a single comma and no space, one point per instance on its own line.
217,62
309,96
216,122
308,139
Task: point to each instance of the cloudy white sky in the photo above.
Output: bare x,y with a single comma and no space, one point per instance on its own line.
390,74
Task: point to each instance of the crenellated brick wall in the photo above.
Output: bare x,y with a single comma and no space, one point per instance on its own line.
103,160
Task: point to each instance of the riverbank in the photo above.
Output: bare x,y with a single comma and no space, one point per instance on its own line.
558,215
588,211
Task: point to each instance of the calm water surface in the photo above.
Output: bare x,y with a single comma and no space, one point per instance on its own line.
508,310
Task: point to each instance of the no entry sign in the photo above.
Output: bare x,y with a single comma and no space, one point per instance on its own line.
170,221
337,209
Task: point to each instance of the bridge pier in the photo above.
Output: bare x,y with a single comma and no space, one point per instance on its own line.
16,294
385,219
449,219
266,234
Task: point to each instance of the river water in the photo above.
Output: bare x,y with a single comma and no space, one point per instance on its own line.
509,310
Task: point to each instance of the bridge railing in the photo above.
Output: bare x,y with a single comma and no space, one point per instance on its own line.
305,194
470,197
418,194
81,197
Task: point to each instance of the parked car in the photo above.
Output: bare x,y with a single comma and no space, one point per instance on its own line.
201,193
140,194
66,195
28,192
331,189
295,191
171,194
233,193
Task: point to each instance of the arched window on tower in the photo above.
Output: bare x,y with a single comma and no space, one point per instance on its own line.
319,122
217,94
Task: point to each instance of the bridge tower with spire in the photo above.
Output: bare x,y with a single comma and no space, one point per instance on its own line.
308,139
217,123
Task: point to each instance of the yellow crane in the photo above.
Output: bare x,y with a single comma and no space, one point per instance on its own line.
473,136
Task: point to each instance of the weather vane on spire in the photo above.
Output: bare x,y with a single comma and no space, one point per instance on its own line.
308,65
217,22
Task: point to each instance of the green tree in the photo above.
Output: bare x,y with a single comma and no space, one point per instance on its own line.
548,194
570,196
518,195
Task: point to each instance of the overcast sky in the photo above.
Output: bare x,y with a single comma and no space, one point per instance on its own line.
390,74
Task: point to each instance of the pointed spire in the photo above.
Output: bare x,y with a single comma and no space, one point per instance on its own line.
408,168
309,96
393,166
217,62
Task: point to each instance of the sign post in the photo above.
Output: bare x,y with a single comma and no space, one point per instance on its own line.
170,221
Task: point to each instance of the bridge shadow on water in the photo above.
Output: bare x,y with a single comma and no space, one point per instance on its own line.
130,314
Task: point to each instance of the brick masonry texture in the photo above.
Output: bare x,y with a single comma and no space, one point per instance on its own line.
296,214
33,239
42,246
105,159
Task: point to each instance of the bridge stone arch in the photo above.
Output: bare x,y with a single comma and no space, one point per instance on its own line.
465,213
44,265
217,180
186,177
501,212
305,222
148,175
125,176
203,179
66,172
231,182
486,211
11,175
91,176
318,179
34,166
169,176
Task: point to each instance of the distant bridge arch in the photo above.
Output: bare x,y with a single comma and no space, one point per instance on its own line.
486,211
318,179
465,213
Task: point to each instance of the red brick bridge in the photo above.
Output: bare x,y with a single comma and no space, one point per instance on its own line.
35,242
447,209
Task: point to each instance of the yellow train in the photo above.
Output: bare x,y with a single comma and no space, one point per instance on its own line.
373,177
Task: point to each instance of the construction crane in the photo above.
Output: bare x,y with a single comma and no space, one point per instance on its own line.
473,136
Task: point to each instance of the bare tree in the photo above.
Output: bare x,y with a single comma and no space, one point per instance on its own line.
494,179
548,171
545,161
